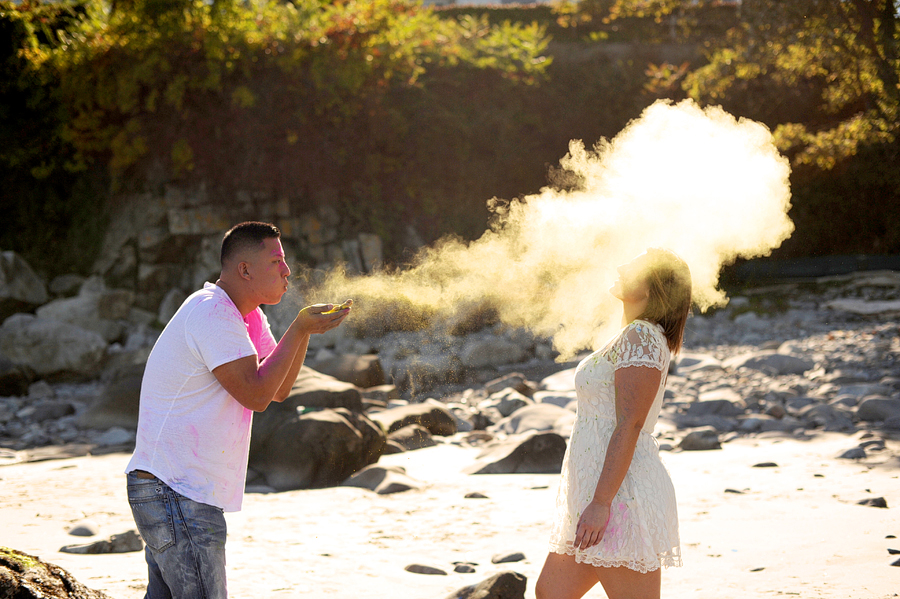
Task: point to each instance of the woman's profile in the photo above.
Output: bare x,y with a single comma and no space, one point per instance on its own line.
616,521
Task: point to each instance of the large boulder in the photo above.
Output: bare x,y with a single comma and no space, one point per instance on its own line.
878,409
430,414
362,371
119,402
316,390
50,347
313,449
528,453
95,308
24,576
20,288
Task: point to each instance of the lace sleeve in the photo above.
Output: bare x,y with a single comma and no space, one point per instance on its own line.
642,344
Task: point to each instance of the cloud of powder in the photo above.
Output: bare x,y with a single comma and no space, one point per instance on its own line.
700,182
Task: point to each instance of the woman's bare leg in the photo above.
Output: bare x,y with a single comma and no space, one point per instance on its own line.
622,583
564,578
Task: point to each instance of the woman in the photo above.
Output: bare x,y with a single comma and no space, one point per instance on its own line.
616,521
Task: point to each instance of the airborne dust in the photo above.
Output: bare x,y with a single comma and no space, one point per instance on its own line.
700,182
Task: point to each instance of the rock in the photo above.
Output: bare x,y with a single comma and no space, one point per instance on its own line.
114,437
51,348
766,465
84,528
515,380
361,371
169,305
856,453
118,404
430,414
316,390
382,393
531,452
701,440
563,380
504,558
877,409
771,362
14,378
420,569
874,502
85,309
489,350
689,362
383,480
125,542
66,285
826,417
714,421
312,449
719,407
412,436
885,309
20,287
423,372
504,585
505,401
24,576
535,417
562,399
464,568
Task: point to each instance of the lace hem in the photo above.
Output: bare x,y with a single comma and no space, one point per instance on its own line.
667,559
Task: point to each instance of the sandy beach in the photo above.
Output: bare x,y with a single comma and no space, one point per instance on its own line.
795,529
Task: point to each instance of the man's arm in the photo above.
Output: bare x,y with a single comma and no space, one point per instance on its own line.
256,384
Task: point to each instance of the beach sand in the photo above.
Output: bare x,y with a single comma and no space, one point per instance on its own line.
792,530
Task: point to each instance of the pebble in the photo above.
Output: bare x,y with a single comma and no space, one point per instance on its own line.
420,569
505,558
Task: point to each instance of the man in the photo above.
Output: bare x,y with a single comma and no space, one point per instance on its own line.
214,364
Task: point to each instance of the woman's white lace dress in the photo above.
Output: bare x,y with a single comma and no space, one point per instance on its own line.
643,527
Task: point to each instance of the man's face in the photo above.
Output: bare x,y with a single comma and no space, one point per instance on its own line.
269,272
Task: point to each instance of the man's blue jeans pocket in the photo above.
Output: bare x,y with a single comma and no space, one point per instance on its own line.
152,510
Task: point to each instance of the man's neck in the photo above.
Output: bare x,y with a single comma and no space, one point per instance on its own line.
244,305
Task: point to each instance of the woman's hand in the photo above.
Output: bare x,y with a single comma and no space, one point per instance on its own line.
591,525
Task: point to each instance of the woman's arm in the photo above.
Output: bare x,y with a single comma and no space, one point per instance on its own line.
635,388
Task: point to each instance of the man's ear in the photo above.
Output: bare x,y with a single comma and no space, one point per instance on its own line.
243,270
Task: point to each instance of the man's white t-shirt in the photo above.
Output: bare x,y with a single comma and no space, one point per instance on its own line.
192,434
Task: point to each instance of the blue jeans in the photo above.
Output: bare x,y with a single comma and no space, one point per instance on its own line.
185,541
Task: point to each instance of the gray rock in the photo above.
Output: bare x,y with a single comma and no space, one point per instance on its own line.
480,351
701,440
316,390
313,449
563,380
562,399
877,409
412,436
118,404
532,452
20,287
505,558
383,480
827,417
516,380
714,421
14,378
862,307
430,414
423,372
504,585
719,407
771,362
84,528
535,417
125,542
115,436
856,453
505,401
50,348
689,362
421,569
361,371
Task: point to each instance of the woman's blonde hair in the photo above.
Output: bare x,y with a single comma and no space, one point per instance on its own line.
669,284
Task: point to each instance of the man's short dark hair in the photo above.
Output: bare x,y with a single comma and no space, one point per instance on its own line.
248,235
